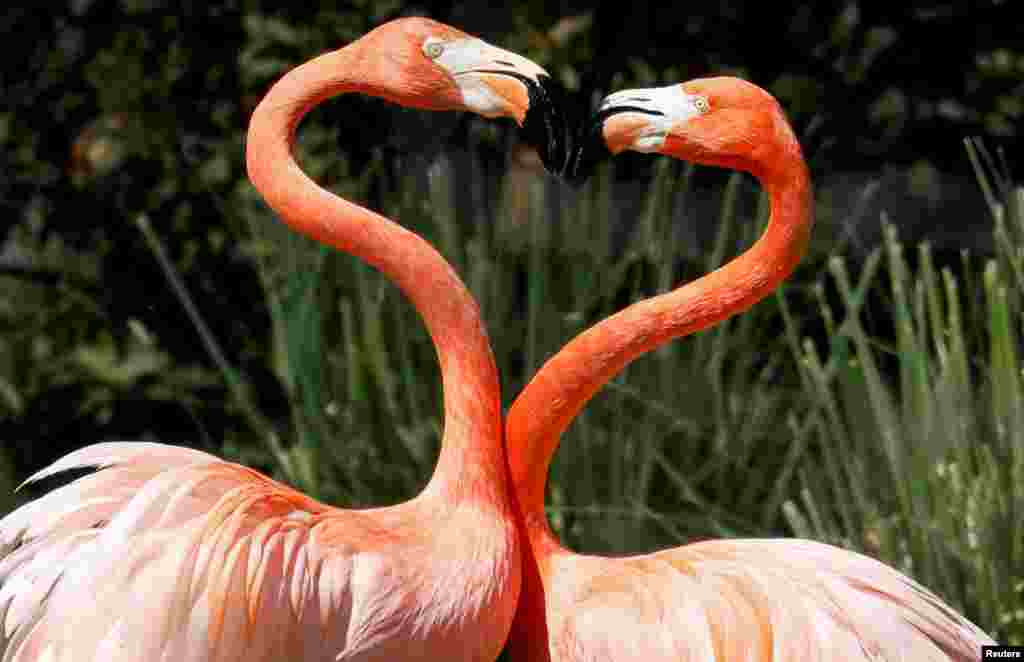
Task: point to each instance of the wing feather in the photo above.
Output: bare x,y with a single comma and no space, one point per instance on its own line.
167,553
754,600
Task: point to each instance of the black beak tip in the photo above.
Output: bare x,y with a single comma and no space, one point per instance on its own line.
550,123
569,140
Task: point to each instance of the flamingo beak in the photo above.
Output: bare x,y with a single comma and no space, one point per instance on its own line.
495,82
623,120
641,119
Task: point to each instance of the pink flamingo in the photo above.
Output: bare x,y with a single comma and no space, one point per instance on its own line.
173,554
722,600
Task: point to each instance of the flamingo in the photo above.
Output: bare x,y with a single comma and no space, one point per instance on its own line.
174,554
721,600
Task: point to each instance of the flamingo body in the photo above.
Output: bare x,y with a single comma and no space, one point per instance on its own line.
713,601
178,555
169,554
758,600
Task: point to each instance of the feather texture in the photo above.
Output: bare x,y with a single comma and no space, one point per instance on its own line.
756,600
171,554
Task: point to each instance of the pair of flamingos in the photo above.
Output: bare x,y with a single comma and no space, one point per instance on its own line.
171,554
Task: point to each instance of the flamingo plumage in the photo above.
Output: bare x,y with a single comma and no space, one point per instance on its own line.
170,554
721,600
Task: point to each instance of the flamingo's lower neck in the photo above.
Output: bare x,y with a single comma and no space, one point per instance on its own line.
564,385
472,461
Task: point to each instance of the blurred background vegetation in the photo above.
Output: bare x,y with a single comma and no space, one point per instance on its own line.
876,403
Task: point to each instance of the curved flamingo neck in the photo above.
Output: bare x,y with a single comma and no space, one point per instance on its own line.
564,384
472,460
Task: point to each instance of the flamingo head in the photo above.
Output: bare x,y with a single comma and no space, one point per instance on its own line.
722,121
420,63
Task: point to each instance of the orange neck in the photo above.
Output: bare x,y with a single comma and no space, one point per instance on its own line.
472,459
564,384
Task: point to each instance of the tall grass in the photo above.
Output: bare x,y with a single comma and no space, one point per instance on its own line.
924,468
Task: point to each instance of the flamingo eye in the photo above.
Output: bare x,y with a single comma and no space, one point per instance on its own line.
433,48
702,104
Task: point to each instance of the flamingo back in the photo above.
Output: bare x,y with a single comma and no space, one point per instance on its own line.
752,600
167,553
